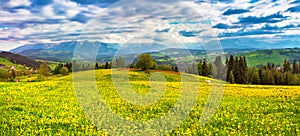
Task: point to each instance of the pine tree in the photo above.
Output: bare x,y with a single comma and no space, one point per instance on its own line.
295,67
286,66
97,65
298,67
253,76
288,78
237,71
205,71
214,70
176,68
243,68
220,68
106,65
277,77
199,66
231,78
263,76
269,78
229,67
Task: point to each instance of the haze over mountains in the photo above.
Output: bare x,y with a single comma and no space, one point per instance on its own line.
64,51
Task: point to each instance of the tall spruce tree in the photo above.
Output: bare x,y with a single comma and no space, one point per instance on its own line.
229,67
237,71
205,69
295,67
286,66
220,68
199,66
253,76
231,78
243,66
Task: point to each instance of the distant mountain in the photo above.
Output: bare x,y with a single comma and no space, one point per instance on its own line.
64,51
64,46
50,55
84,49
19,59
32,47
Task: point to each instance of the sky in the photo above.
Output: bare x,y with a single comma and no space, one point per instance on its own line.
233,23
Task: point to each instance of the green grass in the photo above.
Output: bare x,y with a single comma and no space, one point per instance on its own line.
52,108
7,63
276,56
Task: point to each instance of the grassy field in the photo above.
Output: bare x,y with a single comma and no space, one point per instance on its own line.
52,108
7,63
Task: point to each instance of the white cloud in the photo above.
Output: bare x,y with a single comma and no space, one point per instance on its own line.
17,3
143,17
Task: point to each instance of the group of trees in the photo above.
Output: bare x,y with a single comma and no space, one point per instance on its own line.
235,70
62,69
144,62
270,74
275,75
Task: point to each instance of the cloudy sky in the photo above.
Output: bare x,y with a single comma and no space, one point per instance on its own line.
235,23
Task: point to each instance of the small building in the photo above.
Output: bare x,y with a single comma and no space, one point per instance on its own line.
3,66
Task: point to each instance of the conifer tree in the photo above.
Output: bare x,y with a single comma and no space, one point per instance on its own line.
205,70
237,71
220,68
231,78
295,67
286,66
199,66
229,66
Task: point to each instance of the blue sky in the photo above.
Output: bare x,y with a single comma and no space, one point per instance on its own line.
240,23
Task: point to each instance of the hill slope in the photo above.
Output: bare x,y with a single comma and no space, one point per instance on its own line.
19,59
276,56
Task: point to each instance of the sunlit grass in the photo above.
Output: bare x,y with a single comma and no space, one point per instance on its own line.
51,107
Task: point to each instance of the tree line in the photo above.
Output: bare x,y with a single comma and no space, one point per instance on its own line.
235,70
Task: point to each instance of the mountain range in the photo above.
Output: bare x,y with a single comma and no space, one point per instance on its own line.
65,51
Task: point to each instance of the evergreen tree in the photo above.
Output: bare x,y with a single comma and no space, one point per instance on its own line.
199,66
214,71
277,77
237,71
298,67
231,78
288,78
253,76
205,69
286,66
229,66
263,76
269,78
176,69
106,65
97,65
220,68
244,69
295,67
